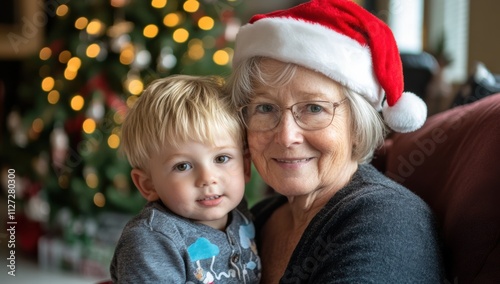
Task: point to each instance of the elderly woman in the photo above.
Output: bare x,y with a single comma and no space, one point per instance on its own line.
309,84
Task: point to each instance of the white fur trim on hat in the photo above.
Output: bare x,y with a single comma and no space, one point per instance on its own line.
407,115
313,46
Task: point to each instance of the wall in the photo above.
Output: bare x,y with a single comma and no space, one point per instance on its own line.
484,34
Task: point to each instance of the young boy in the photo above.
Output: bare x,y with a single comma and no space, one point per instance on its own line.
186,146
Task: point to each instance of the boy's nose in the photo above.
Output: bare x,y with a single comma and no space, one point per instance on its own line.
206,177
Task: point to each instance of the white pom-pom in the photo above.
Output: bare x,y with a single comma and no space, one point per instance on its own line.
407,115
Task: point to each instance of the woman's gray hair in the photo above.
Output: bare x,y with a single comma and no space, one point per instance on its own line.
367,126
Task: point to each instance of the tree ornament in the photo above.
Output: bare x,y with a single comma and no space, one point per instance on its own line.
59,142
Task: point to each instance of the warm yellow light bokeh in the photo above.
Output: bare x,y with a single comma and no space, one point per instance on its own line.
118,118
158,3
74,63
113,141
93,50
64,56
180,35
221,57
191,6
37,125
92,180
118,3
53,97
77,103
150,31
196,51
70,74
99,199
48,84
81,23
171,20
131,101
127,55
45,53
62,10
89,126
135,86
206,23
95,27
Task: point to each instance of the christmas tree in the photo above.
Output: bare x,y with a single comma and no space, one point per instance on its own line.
97,59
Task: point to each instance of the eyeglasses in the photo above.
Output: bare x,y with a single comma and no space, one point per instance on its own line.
310,115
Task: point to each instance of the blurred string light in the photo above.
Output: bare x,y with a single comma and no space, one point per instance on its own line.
72,67
158,4
118,117
48,84
62,10
70,74
99,199
142,59
93,50
45,53
77,102
191,6
127,54
134,85
150,31
89,126
64,56
96,110
37,125
195,49
221,57
113,141
171,20
119,3
74,64
131,101
81,23
180,35
53,97
91,178
166,60
95,27
206,23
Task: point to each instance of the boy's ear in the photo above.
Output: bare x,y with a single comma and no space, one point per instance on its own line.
144,184
247,165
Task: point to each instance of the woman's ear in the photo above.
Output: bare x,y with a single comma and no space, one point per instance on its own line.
247,165
144,184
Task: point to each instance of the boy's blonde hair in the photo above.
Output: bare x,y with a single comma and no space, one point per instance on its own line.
177,109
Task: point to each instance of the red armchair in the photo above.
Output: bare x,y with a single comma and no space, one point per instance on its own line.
453,163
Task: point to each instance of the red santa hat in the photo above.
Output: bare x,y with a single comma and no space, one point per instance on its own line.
343,41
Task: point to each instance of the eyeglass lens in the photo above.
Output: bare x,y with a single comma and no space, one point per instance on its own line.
308,115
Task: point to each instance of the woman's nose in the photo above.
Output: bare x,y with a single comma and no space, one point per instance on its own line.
288,132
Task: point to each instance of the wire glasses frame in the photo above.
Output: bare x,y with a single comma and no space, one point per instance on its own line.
308,115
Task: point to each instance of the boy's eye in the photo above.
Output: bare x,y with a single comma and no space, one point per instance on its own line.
182,167
222,159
